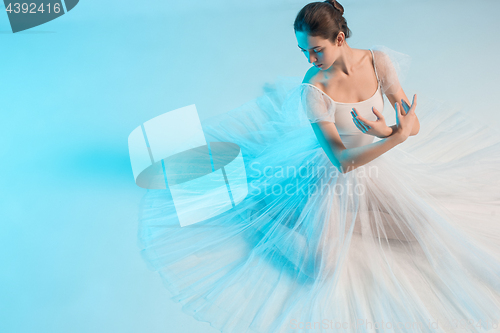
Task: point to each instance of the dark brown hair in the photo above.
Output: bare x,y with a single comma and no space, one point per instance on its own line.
324,19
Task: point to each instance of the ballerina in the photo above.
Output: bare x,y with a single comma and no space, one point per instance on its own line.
385,229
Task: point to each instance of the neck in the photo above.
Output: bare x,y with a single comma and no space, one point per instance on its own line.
346,61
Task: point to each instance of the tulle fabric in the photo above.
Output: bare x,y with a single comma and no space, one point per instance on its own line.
409,242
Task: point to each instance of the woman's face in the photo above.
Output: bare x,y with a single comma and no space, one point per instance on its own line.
319,51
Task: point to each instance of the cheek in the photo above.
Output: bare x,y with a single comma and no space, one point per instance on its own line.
328,58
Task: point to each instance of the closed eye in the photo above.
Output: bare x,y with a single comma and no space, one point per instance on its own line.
315,51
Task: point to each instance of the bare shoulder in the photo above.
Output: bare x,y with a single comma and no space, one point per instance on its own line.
317,77
313,76
362,57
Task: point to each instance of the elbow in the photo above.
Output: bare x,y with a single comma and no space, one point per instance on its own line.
415,129
345,170
345,163
340,164
345,167
340,167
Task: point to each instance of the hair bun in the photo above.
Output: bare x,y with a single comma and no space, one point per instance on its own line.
336,5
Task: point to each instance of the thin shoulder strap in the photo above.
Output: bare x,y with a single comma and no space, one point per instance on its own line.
374,66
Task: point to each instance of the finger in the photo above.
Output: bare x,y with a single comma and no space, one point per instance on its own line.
377,113
354,112
355,123
365,126
398,114
365,122
413,104
400,109
360,125
406,107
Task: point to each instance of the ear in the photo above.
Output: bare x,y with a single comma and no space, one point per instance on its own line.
340,38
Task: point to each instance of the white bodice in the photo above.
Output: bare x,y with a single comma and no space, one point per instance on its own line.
351,136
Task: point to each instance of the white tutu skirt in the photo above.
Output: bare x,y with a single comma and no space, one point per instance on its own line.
409,242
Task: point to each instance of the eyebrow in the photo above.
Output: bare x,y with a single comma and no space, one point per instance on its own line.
310,48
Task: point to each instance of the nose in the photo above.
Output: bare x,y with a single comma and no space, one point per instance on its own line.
309,58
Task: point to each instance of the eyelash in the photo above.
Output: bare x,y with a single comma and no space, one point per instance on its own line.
314,51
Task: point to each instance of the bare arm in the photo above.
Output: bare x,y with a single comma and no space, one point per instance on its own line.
392,89
349,159
344,159
399,97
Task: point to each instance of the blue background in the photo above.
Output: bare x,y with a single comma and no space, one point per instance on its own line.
73,89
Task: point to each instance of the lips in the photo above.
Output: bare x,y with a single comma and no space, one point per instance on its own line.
319,66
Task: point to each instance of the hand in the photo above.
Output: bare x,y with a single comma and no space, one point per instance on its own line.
376,128
405,119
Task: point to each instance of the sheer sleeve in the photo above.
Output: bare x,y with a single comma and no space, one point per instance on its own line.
316,105
392,68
